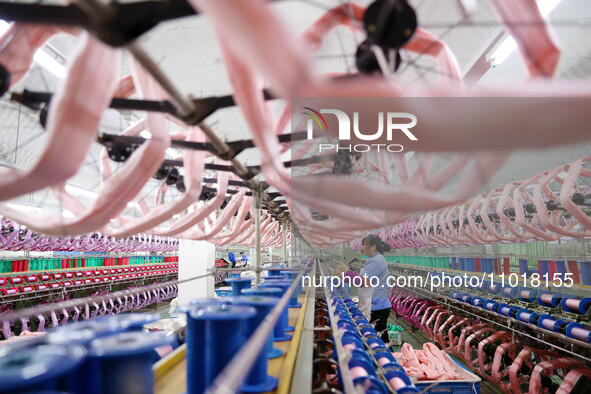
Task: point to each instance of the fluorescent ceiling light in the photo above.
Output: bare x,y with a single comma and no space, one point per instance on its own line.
49,63
509,45
3,26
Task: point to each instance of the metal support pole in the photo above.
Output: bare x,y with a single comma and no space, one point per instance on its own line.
285,243
257,200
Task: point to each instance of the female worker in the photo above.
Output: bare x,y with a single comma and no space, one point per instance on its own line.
375,266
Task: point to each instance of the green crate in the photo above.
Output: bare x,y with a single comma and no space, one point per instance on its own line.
395,338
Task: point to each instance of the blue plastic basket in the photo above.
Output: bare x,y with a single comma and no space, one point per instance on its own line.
469,385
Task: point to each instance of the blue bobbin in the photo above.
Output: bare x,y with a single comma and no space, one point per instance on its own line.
239,284
195,353
124,361
258,380
43,368
217,333
278,334
293,301
284,286
274,272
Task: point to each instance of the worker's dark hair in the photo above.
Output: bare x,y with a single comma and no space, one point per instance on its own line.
241,252
372,239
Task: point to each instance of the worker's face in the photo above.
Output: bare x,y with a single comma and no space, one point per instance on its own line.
369,250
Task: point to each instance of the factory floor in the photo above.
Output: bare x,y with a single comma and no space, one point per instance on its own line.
416,338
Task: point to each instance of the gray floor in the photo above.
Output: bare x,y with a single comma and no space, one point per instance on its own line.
417,339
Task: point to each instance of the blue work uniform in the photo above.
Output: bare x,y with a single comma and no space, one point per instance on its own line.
231,257
376,266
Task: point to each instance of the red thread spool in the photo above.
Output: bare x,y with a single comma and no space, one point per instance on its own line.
2,281
15,280
44,277
30,278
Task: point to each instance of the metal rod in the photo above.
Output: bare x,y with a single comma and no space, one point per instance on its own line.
257,230
233,375
285,242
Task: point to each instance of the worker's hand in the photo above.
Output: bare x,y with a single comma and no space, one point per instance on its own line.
343,267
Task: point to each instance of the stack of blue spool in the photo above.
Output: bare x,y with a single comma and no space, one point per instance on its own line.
103,355
358,332
217,328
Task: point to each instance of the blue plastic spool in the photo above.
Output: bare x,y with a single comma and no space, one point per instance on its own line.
509,292
393,374
465,297
359,358
487,265
291,303
543,298
544,267
124,361
583,306
504,309
239,284
258,380
355,341
578,331
523,267
371,384
382,356
273,272
560,269
376,344
454,263
101,326
490,305
477,301
218,333
43,368
547,322
291,276
278,334
586,272
136,321
346,325
365,331
523,315
455,294
483,286
494,288
527,295
283,321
